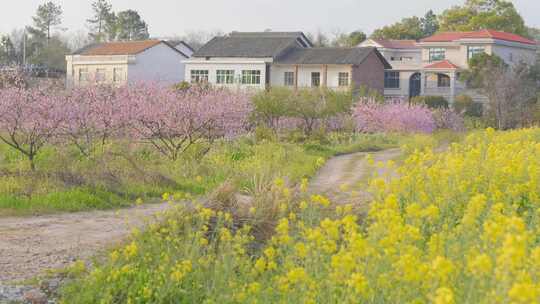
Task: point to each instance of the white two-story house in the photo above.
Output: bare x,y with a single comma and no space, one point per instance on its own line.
438,60
405,57
259,60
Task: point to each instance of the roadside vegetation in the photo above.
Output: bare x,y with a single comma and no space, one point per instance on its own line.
455,227
104,148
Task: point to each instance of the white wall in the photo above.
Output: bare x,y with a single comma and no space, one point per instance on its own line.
158,64
277,74
91,64
513,55
228,64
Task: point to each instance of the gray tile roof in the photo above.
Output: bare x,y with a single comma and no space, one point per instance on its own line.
251,44
325,55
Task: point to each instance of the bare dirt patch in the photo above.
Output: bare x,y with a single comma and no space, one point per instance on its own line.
343,178
31,245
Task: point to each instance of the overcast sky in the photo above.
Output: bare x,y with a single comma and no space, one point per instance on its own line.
175,17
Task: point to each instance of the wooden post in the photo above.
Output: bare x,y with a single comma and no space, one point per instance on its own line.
325,76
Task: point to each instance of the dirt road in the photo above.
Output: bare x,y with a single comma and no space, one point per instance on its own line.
343,178
29,245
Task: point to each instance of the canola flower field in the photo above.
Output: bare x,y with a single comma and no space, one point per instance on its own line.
460,226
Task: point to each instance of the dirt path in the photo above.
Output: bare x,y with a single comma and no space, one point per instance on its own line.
343,178
30,245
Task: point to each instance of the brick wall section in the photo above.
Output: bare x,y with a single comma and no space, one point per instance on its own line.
369,74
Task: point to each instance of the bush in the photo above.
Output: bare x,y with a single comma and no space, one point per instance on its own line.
182,86
432,102
393,117
464,105
448,119
282,109
270,107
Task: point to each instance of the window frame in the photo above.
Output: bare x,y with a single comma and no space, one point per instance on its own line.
251,77
199,76
443,83
434,51
472,50
85,72
343,79
224,76
102,75
118,75
317,83
288,78
393,83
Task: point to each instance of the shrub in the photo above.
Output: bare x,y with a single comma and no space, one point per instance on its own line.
271,106
282,109
182,86
448,119
432,102
393,117
464,105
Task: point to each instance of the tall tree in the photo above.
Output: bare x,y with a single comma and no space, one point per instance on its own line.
356,37
48,16
7,50
534,33
102,10
430,24
407,28
484,14
131,26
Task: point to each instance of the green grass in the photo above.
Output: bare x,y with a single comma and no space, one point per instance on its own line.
66,181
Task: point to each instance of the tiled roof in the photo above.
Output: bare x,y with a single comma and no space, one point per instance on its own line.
250,44
118,48
397,44
445,64
326,55
499,36
446,37
482,34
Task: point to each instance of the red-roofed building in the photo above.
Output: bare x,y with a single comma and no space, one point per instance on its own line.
432,65
124,62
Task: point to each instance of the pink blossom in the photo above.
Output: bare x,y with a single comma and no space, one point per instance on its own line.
371,116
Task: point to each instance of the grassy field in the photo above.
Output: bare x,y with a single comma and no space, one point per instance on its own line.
458,226
122,173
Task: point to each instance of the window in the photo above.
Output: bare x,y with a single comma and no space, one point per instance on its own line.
437,54
315,79
83,74
118,74
251,77
405,58
288,78
391,80
101,75
199,76
225,76
474,50
443,81
343,79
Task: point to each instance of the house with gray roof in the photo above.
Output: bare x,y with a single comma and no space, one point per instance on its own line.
260,60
